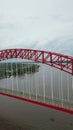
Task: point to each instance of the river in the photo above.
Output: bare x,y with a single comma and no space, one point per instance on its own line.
42,83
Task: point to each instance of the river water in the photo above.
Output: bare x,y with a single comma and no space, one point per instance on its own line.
46,82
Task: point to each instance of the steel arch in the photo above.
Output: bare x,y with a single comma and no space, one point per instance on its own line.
59,61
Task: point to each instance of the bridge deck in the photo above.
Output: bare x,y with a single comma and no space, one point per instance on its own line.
39,99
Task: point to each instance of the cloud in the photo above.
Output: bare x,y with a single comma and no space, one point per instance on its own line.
39,24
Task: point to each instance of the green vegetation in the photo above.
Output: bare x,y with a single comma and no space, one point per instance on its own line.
9,69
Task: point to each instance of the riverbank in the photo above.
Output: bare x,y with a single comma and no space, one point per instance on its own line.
12,69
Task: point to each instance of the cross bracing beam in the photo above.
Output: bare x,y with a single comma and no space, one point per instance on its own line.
59,61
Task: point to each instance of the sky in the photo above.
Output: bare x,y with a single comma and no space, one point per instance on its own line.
37,24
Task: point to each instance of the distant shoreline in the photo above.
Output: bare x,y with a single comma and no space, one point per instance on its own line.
12,69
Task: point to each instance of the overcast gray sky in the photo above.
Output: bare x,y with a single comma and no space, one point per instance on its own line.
39,24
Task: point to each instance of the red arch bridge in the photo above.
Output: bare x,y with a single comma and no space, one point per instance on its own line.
47,81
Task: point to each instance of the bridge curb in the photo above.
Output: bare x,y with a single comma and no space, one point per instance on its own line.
39,103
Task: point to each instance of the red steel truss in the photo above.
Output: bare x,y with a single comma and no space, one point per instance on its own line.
59,61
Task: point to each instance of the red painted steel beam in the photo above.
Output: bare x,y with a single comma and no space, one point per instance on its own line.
39,103
59,61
